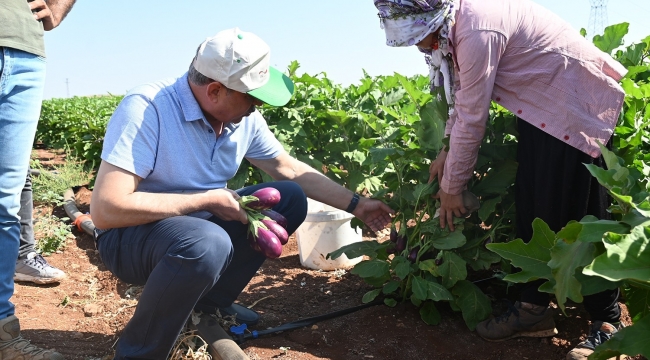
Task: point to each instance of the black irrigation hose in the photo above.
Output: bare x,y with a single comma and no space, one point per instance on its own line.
240,337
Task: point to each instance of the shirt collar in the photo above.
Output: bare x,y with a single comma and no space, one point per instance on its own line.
191,109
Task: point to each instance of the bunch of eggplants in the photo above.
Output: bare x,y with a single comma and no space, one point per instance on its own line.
267,229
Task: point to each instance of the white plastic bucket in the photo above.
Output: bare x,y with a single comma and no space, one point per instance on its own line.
325,230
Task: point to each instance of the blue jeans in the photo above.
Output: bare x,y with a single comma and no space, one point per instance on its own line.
185,263
22,78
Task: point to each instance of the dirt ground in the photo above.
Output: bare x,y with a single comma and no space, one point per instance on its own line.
82,317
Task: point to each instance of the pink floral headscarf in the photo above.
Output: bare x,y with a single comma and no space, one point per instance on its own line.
407,22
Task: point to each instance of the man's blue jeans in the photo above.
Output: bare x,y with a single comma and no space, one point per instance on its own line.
22,77
185,263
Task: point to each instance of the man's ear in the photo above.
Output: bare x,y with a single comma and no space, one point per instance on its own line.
212,91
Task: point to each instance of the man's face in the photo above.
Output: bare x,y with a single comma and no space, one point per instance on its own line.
236,106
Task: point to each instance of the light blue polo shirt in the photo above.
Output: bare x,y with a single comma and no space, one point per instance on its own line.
159,133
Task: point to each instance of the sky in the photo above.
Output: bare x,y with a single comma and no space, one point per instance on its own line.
109,47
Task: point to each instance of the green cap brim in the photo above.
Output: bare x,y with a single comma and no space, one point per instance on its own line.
277,91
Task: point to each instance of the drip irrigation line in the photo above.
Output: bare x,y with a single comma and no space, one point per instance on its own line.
239,336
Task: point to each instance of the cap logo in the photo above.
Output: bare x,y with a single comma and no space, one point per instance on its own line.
263,72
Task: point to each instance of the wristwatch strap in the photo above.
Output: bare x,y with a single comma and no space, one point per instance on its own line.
353,203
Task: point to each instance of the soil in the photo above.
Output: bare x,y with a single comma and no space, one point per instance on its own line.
82,317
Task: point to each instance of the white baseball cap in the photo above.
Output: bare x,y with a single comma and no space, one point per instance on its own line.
240,61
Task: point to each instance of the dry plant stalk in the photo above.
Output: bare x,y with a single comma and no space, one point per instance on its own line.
187,348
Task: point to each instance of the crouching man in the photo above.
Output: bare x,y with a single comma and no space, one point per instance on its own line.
163,214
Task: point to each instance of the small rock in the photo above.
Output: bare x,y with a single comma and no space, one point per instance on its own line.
77,335
93,309
314,327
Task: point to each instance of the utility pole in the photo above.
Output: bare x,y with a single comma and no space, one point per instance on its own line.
597,18
67,87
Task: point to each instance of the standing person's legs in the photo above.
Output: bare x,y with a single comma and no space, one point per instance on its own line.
30,265
22,76
21,92
554,185
27,241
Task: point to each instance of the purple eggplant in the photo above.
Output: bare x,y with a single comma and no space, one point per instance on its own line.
267,198
413,254
269,243
393,234
275,216
277,229
401,244
253,243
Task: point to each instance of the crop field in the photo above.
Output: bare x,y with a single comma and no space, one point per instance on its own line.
433,285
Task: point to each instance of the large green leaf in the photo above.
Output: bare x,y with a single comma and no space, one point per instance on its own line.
594,284
370,296
488,207
612,38
637,300
420,288
402,268
593,231
630,341
565,260
437,292
453,240
371,268
452,269
625,257
497,179
531,258
590,229
474,305
357,249
431,128
429,313
479,258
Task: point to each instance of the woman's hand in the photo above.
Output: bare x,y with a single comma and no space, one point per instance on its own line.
437,167
450,205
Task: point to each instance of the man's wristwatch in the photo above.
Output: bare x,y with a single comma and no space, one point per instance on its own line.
353,203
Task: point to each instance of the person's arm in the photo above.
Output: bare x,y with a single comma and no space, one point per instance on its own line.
115,203
317,186
52,12
478,55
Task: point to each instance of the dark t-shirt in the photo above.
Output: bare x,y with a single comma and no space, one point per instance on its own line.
19,29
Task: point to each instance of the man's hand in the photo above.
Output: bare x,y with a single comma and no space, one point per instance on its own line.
437,167
51,15
226,206
450,205
373,213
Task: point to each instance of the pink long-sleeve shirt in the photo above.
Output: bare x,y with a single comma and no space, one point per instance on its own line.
534,64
